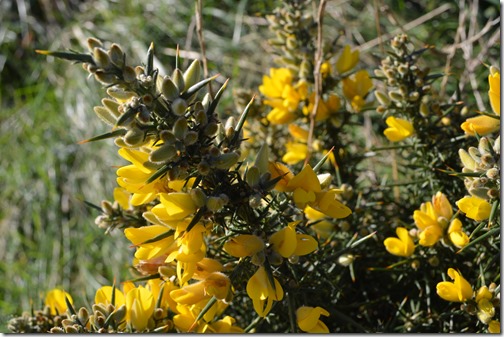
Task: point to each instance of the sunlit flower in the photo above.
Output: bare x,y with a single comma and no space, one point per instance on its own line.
399,129
104,295
287,242
457,291
262,292
243,245
325,109
296,152
225,325
277,169
356,87
347,60
174,206
457,236
282,95
139,307
401,246
432,219
308,319
55,299
147,248
322,227
494,327
474,208
157,286
494,92
216,284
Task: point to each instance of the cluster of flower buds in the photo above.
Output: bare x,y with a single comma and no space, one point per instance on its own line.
408,85
294,30
40,321
484,304
482,166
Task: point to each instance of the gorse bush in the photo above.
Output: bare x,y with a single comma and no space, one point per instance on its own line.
334,198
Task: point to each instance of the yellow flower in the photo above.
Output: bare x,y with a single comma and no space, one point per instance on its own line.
104,296
356,87
277,169
156,286
398,129
282,95
347,60
432,219
147,251
322,227
296,152
216,284
139,307
329,205
457,291
308,319
401,246
174,206
225,325
122,196
55,299
474,208
325,107
494,92
287,242
442,206
244,245
482,125
494,327
262,292
457,236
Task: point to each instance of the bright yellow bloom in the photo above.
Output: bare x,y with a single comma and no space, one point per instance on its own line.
104,296
356,87
282,95
122,196
474,208
174,206
325,107
55,299
457,236
494,92
139,307
399,129
494,327
277,169
483,293
147,251
442,206
308,319
482,125
244,245
216,284
156,286
322,227
287,242
296,152
347,60
401,246
262,292
225,325
432,219
457,291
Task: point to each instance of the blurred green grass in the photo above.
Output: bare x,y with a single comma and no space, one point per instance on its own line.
49,237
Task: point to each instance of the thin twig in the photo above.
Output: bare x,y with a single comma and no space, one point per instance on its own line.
317,76
199,31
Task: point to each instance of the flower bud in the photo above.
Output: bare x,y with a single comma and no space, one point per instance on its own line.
346,259
395,95
252,176
198,197
104,78
190,138
214,204
178,79
382,97
180,128
101,58
116,55
192,74
179,106
169,89
134,137
93,43
163,153
226,160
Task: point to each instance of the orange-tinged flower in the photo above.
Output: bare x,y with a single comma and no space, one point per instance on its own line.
401,246
457,291
308,319
482,125
474,208
347,60
399,129
139,307
262,292
457,236
104,295
243,245
55,299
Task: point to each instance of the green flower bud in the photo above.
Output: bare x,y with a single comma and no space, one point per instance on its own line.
259,258
484,145
129,74
395,95
414,96
493,173
111,106
424,110
105,115
192,74
120,94
198,196
201,117
382,97
71,329
101,58
203,168
226,160
55,329
214,204
190,138
163,153
178,80
179,106
180,128
134,137
116,55
229,130
104,78
252,176
93,43
169,89
211,129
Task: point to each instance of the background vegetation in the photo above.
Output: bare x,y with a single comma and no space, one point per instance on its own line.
49,237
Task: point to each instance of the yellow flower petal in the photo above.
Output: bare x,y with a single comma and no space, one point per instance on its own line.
398,129
482,125
55,299
243,245
474,208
